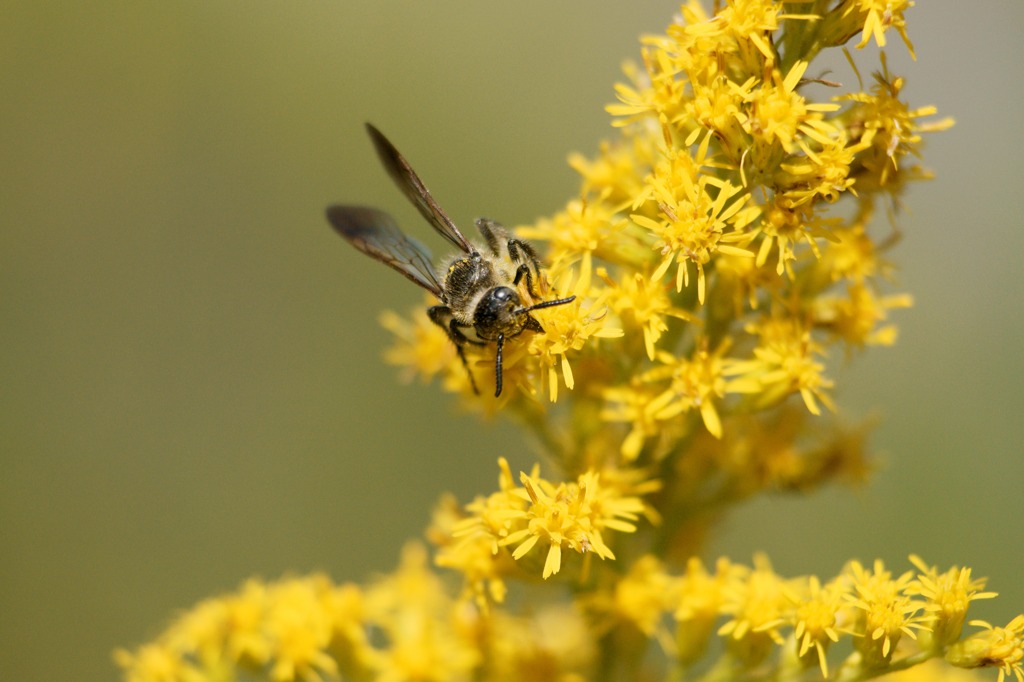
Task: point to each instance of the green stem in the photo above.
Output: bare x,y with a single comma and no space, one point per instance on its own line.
856,673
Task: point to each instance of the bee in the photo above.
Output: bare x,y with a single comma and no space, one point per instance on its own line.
477,288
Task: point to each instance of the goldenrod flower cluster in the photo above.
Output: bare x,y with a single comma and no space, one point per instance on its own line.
406,626
723,251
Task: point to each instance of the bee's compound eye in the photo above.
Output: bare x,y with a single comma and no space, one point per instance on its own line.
504,295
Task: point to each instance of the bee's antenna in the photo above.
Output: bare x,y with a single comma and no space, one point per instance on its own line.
548,304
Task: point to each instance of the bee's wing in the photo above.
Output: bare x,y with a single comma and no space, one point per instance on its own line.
374,233
411,185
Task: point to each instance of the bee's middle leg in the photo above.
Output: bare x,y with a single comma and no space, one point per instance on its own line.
441,315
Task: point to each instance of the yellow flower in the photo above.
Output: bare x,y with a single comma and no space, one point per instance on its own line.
817,618
641,598
469,550
613,172
631,404
750,23
346,607
717,104
994,647
582,230
491,516
822,173
570,516
422,632
879,15
758,606
244,612
885,612
851,255
300,631
948,595
693,217
568,328
290,630
155,663
778,114
787,225
700,601
856,317
785,362
421,348
743,283
648,304
696,383
891,126
657,91
552,643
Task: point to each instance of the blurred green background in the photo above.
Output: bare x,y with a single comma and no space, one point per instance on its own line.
190,384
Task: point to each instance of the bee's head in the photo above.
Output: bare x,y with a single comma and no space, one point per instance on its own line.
499,312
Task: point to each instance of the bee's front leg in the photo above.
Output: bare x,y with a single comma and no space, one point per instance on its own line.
522,252
497,366
524,269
